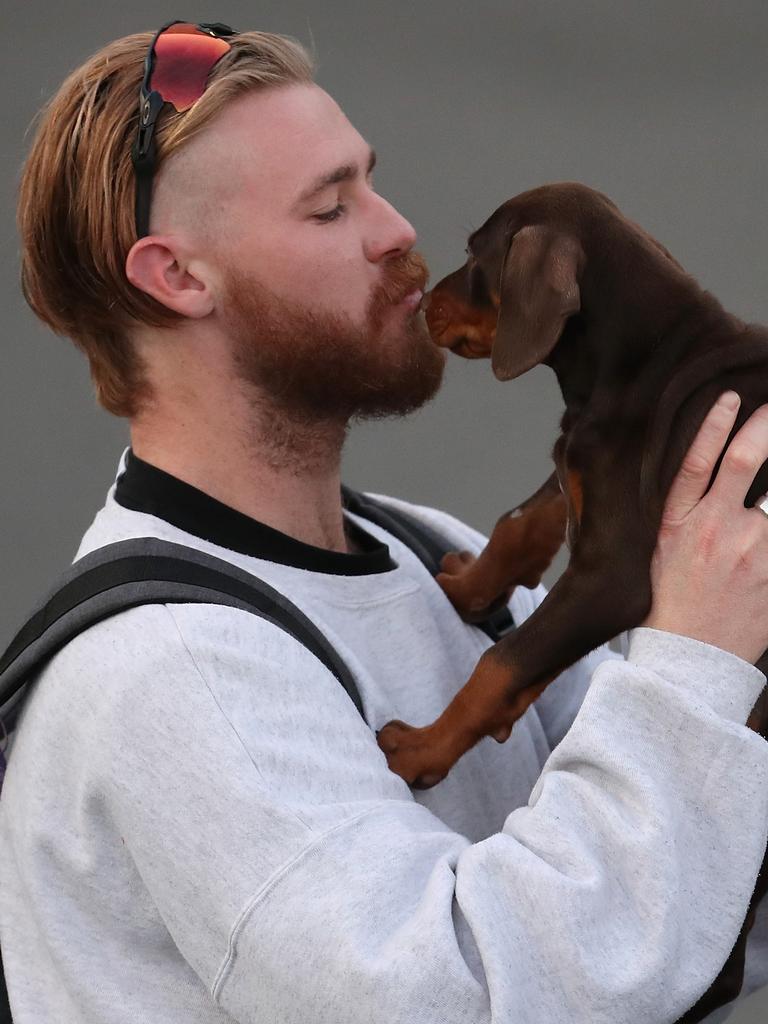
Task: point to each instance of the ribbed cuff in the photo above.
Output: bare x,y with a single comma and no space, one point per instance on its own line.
727,683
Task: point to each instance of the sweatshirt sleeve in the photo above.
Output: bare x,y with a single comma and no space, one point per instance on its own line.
301,881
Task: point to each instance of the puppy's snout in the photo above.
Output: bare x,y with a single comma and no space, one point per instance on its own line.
436,314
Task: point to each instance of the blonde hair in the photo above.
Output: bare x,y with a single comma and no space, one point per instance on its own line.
77,195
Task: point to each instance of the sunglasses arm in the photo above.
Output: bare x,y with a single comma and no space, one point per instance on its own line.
143,155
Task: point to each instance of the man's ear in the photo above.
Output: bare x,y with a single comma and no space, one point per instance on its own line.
539,290
155,266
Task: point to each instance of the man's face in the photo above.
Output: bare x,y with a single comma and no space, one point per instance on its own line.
312,276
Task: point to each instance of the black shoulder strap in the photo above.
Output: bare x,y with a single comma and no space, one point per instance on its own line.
426,544
148,571
125,575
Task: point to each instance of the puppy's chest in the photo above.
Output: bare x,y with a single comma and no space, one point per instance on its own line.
590,456
578,448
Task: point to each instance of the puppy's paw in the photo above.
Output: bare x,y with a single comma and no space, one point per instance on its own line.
465,589
411,755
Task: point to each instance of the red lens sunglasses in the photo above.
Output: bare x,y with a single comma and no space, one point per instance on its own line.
176,71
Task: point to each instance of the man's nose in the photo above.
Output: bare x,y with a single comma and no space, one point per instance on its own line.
390,233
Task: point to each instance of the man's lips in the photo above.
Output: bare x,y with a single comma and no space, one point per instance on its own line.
412,299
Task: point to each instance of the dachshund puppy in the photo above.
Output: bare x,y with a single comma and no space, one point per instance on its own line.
560,276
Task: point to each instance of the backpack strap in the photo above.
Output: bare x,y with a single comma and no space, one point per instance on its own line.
5,1006
428,546
147,571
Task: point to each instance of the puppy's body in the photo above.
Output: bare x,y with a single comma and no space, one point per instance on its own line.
559,276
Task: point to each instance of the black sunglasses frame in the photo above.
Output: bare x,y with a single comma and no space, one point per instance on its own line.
151,102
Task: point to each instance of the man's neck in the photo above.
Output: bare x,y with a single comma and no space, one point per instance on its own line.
281,474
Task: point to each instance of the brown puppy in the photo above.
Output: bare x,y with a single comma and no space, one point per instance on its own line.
560,276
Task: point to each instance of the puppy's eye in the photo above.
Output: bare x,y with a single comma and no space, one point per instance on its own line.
478,293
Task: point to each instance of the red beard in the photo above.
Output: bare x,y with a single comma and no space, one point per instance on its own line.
315,367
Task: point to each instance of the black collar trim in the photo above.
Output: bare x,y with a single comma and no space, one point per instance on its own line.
145,488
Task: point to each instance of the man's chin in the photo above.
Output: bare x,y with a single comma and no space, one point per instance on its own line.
405,392
319,368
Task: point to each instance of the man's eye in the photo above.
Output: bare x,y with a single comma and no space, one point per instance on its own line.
334,214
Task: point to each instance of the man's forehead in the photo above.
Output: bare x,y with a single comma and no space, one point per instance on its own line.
278,142
293,134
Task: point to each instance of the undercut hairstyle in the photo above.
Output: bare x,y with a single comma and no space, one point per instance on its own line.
77,197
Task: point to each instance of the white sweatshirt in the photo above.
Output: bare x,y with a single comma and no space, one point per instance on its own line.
196,824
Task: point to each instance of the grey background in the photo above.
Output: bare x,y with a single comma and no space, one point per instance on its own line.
662,105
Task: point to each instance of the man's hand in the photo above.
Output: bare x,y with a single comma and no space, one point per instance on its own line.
709,572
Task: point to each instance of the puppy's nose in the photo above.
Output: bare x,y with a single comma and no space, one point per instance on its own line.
425,301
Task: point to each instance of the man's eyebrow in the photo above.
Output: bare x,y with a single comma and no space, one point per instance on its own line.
344,173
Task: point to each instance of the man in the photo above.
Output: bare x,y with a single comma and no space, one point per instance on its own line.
196,823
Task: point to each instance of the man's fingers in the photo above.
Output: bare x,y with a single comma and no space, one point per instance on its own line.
694,474
743,458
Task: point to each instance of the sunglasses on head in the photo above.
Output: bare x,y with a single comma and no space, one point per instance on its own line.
176,71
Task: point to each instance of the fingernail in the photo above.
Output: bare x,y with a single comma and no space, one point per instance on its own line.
729,400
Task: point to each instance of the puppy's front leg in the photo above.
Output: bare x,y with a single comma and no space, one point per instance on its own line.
521,547
605,590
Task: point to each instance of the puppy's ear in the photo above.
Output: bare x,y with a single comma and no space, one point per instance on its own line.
539,290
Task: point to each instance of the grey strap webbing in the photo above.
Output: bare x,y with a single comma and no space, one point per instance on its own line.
146,570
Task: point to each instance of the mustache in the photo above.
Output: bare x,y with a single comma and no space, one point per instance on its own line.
400,276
